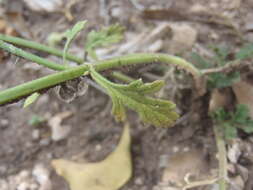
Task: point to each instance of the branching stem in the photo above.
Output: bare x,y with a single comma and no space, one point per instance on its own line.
40,47
29,56
68,73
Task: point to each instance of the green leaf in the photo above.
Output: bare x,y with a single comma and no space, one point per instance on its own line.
220,115
154,111
221,54
36,120
232,121
230,132
221,80
71,34
199,61
249,128
30,99
245,52
241,113
102,38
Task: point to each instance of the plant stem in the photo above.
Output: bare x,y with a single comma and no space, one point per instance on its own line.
28,88
39,47
122,77
29,56
222,156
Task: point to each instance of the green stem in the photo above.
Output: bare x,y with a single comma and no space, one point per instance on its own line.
23,90
122,77
78,60
222,156
28,88
29,56
39,47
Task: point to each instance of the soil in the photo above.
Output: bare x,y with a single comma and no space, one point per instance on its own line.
159,155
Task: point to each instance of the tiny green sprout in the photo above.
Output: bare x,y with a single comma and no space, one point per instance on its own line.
230,122
36,120
104,37
71,34
31,99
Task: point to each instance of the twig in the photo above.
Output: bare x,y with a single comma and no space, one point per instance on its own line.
222,156
40,47
227,68
200,183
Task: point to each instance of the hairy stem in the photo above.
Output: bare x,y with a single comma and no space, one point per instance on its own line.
40,47
222,156
29,56
23,90
15,93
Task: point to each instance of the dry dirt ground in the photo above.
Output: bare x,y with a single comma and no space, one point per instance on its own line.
162,158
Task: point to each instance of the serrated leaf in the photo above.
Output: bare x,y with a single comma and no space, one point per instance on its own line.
154,111
71,34
30,99
102,38
109,174
232,121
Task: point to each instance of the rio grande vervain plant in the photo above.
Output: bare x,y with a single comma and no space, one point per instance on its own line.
135,95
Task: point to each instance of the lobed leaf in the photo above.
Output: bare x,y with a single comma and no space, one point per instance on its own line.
230,122
104,37
154,111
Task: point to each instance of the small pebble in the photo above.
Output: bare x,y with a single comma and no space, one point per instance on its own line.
3,169
175,149
116,11
36,134
44,142
4,123
42,175
138,181
23,186
163,161
24,174
186,149
98,147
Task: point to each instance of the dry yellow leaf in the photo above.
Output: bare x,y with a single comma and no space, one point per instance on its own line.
110,174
